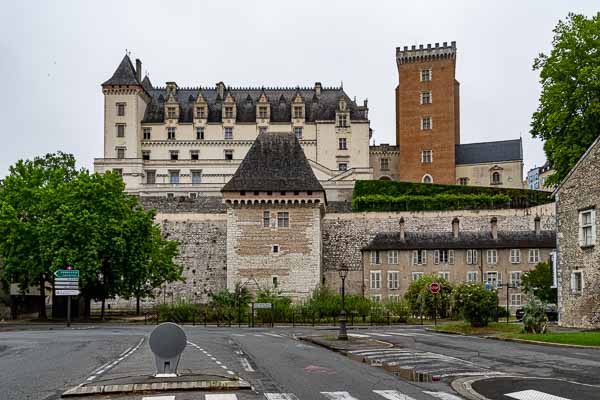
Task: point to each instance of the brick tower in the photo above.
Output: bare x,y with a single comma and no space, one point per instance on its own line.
427,113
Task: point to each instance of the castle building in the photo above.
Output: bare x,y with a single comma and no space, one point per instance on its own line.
428,147
172,141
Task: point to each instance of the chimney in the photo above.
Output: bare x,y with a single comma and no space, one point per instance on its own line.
401,228
138,69
318,88
221,90
537,224
494,223
455,228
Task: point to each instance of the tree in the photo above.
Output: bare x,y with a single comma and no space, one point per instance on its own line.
25,222
422,302
538,282
474,303
568,116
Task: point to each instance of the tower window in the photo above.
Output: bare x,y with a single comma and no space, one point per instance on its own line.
427,179
426,123
174,176
275,250
194,155
171,112
171,133
200,133
197,177
426,97
228,133
343,145
121,109
266,219
229,154
145,155
120,152
283,219
385,163
262,112
297,112
425,75
426,156
147,133
200,112
342,121
151,177
120,130
174,155
228,112
298,132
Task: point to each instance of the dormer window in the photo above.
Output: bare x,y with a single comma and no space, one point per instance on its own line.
200,113
342,121
262,112
228,112
298,112
496,178
171,133
171,112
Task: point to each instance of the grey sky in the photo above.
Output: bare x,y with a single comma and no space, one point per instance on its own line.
56,54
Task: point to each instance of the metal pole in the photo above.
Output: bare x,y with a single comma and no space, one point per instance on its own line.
253,315
343,333
68,311
435,307
239,309
507,312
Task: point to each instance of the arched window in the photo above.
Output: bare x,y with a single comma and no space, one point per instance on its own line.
496,178
427,179
385,178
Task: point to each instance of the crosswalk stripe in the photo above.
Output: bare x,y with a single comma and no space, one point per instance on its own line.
220,397
280,396
159,398
392,395
368,350
387,351
442,395
338,396
533,395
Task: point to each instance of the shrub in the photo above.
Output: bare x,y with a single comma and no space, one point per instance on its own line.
281,306
399,308
476,304
422,302
535,320
179,312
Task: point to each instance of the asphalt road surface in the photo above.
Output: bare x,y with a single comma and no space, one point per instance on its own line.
42,363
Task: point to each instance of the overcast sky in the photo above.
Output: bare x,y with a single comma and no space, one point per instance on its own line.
55,55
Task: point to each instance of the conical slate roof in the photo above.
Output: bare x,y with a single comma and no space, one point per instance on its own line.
124,75
147,84
274,163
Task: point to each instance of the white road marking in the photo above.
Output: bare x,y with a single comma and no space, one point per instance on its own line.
408,334
230,372
486,373
246,365
280,396
392,395
123,353
380,334
219,362
338,396
257,335
369,350
358,335
159,398
109,364
443,395
272,334
91,378
238,334
533,395
221,397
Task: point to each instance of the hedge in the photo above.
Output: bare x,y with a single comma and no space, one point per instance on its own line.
407,196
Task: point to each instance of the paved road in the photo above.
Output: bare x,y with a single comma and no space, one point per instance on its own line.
39,365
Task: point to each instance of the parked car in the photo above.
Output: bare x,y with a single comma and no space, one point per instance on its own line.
551,313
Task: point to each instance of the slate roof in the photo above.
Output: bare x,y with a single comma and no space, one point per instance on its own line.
124,74
487,152
320,107
466,240
275,162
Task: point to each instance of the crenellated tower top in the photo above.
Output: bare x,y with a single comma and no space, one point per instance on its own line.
422,53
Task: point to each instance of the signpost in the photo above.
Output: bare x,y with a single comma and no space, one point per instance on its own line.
66,283
434,288
256,306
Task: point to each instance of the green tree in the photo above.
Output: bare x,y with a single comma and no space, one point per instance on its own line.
568,116
538,282
474,303
422,302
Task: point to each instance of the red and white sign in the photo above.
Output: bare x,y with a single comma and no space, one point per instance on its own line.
434,287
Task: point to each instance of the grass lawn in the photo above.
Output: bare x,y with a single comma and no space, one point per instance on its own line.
467,329
580,338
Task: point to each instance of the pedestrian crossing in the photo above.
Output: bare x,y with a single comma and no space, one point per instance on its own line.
336,395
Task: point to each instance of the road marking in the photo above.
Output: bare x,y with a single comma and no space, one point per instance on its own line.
109,365
238,334
257,335
338,396
486,373
369,350
223,366
123,353
443,395
91,378
280,396
273,334
221,397
159,398
380,334
246,365
358,335
533,395
392,395
230,372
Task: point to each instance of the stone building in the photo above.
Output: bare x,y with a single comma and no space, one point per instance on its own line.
495,164
385,162
392,260
537,176
274,209
578,269
172,141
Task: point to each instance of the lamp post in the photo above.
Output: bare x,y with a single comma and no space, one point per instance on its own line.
343,272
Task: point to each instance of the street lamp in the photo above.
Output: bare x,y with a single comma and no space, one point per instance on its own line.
343,272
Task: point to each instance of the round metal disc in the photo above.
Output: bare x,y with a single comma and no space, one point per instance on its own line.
167,340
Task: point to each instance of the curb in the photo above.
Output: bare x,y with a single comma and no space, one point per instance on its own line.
447,332
525,341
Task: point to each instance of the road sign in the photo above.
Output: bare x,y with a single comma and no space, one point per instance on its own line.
167,342
66,280
67,273
66,292
434,287
262,305
73,285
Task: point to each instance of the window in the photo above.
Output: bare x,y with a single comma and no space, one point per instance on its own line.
534,256
342,144
343,166
494,279
151,177
298,132
576,282
415,276
419,257
174,176
376,298
200,133
145,155
174,155
194,155
492,256
375,279
426,156
425,97
120,130
496,178
515,278
443,257
197,177
147,133
283,219
463,181
385,163
297,112
118,171
342,121
275,281
170,196
120,152
427,179
444,274
587,228
472,257
515,256
228,133
394,298
262,129
228,112
171,133
229,154
472,277
266,219
426,123
171,112
200,112
121,109
193,196
375,257
425,75
275,248
262,112
516,299
393,257
393,279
